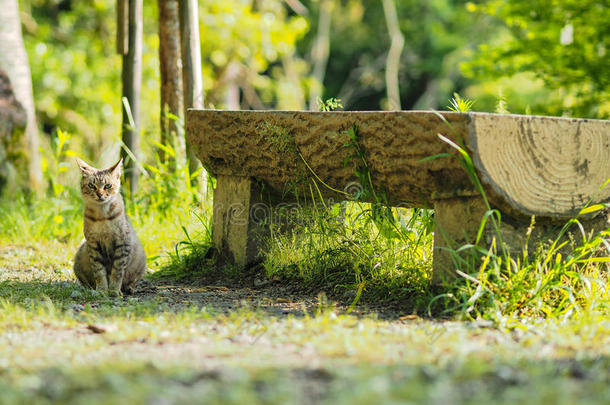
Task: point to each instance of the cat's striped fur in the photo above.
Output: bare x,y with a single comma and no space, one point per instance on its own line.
111,258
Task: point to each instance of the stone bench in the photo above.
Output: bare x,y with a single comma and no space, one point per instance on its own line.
527,165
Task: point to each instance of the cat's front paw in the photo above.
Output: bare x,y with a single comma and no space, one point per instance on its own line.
113,292
101,289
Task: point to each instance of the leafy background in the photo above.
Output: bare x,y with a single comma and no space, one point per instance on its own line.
506,55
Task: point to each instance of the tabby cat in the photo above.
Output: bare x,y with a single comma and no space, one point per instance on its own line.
111,258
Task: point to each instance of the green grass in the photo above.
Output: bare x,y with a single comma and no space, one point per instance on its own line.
152,349
156,347
341,250
513,328
30,222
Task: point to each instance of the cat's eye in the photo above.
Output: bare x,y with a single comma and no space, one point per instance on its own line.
92,186
107,186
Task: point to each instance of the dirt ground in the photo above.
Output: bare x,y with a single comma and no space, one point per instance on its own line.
274,297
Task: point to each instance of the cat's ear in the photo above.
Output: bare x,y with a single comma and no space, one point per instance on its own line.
117,168
84,167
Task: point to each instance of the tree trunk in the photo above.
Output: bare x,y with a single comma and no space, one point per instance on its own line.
393,60
232,94
296,101
320,51
192,80
132,83
171,78
12,124
14,61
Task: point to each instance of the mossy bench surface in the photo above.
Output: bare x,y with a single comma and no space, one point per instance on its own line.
528,165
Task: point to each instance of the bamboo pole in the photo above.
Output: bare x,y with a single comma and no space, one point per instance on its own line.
132,83
393,60
192,81
171,78
320,51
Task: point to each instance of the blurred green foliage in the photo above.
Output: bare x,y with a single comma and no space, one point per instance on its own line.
546,57
565,43
254,45
439,34
76,71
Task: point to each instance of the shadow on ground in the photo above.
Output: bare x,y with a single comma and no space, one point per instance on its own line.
271,297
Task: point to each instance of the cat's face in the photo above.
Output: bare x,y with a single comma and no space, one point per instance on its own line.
100,186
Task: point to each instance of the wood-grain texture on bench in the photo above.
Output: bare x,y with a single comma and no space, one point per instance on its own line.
544,166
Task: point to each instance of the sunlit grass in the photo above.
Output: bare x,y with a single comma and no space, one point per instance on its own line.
559,278
58,220
144,349
148,347
341,249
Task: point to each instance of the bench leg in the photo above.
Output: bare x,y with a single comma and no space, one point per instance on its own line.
240,220
457,222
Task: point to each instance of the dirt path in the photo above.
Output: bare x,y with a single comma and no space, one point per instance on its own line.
274,297
271,298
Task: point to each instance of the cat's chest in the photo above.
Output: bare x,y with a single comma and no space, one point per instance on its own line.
105,231
106,236
105,223
105,227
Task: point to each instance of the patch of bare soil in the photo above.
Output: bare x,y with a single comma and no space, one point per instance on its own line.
253,290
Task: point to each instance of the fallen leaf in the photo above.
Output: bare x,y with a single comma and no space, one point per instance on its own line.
100,328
